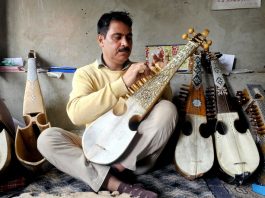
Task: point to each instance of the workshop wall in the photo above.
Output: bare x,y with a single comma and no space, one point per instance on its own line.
63,33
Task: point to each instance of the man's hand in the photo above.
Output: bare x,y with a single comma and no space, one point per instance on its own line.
139,70
159,60
135,72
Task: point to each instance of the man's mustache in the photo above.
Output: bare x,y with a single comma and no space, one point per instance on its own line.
124,49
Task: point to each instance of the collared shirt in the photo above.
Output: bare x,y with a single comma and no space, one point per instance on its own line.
96,90
101,63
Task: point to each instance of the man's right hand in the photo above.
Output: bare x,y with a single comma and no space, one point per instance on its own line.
135,72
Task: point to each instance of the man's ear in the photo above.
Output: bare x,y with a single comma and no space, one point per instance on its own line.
100,39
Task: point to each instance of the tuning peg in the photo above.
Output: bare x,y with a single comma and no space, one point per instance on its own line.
158,67
210,114
131,91
191,30
206,46
154,70
139,83
205,33
185,85
183,93
184,88
144,80
261,132
209,42
134,87
210,110
182,97
185,37
239,93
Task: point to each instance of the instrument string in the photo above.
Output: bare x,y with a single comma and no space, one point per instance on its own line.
227,108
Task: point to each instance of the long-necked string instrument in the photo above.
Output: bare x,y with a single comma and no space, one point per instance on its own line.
7,137
194,153
252,99
105,140
236,151
35,118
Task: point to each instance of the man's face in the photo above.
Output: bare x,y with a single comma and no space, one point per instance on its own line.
117,44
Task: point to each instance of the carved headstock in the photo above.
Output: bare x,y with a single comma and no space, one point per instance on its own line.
252,100
199,38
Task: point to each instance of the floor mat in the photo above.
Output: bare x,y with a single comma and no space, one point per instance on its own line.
165,181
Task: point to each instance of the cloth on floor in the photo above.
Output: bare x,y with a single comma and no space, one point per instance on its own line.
165,181
16,183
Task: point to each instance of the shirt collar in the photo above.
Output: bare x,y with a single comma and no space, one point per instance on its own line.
102,64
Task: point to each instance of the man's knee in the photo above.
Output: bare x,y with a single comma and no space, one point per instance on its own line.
45,139
168,111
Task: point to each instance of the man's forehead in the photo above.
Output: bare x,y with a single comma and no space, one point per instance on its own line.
118,27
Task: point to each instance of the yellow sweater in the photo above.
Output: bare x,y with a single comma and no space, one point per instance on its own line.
95,90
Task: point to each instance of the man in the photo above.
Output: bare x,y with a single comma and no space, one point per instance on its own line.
96,90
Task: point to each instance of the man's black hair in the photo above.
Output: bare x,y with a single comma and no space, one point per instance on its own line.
105,19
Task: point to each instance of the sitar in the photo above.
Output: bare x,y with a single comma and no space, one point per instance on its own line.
236,151
34,114
106,139
194,153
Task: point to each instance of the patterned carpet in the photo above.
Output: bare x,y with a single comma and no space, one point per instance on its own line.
165,181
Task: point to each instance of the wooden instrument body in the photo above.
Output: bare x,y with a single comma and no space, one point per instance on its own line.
7,136
194,153
136,107
106,128
237,153
5,150
35,118
254,107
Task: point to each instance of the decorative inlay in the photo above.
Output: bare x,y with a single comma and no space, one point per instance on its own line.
196,75
196,103
150,92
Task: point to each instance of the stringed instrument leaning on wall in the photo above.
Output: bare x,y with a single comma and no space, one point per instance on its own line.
105,140
194,153
34,114
236,151
252,99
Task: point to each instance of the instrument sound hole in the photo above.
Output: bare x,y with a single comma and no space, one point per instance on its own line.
187,128
135,122
221,128
1,127
241,127
204,131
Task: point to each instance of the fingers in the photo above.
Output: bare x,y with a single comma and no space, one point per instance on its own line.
135,71
139,68
156,58
160,59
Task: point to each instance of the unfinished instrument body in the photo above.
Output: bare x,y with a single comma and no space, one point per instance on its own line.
106,139
35,118
194,153
236,151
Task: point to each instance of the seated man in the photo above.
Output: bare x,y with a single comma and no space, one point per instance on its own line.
96,89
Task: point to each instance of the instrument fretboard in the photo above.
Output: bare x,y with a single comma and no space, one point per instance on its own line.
151,91
223,97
